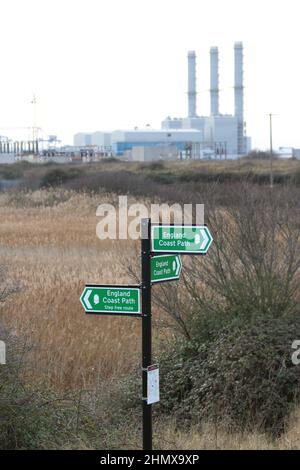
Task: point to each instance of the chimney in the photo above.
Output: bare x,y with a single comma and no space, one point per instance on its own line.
239,96
238,81
214,81
192,84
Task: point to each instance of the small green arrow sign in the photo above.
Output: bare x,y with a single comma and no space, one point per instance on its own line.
190,239
111,300
165,268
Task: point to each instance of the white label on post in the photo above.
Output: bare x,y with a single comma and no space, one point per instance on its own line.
152,384
2,352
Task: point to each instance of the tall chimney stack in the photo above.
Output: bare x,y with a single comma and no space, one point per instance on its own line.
239,95
238,80
214,81
192,84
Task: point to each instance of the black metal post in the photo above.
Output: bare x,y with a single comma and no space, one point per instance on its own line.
146,328
271,153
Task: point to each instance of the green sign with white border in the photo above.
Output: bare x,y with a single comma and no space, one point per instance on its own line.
111,300
185,239
165,268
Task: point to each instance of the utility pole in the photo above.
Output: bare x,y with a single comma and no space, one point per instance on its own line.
34,125
271,152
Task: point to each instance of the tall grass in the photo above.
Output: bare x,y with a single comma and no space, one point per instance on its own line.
49,245
53,251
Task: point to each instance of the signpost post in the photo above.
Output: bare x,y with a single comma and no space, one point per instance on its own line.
146,330
135,301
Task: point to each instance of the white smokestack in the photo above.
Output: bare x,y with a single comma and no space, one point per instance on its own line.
238,81
214,81
239,95
192,84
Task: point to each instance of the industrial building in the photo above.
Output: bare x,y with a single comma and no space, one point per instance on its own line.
214,136
96,139
218,129
186,141
147,154
288,152
182,139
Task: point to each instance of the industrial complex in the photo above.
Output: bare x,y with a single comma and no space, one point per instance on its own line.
195,136
218,131
213,136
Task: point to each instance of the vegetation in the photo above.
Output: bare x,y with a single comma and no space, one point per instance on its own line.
243,377
58,176
255,168
238,316
222,334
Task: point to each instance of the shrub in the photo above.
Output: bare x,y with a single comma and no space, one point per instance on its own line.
152,166
162,178
254,262
58,176
110,160
260,155
244,376
11,172
238,316
33,416
296,178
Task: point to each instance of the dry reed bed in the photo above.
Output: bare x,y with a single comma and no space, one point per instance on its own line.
216,437
54,251
48,242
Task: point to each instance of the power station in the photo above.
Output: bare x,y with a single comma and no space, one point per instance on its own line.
195,136
216,128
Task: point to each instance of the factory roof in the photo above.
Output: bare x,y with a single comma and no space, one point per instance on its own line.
163,131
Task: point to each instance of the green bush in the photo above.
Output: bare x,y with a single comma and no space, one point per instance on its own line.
33,416
295,178
11,172
58,176
110,160
152,166
244,375
162,178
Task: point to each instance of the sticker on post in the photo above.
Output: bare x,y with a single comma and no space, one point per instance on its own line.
2,353
152,384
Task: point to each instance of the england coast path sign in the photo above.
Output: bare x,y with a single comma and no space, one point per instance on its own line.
185,239
161,246
165,268
111,300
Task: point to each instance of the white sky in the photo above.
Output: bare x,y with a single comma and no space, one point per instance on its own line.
109,64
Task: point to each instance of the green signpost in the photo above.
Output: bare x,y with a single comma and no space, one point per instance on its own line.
189,239
111,300
165,268
135,301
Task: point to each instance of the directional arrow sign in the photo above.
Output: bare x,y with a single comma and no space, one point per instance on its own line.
189,239
111,300
165,268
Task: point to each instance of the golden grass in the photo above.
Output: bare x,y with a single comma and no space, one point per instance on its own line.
217,437
53,250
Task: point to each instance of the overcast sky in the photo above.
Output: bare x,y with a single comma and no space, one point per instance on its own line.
109,64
